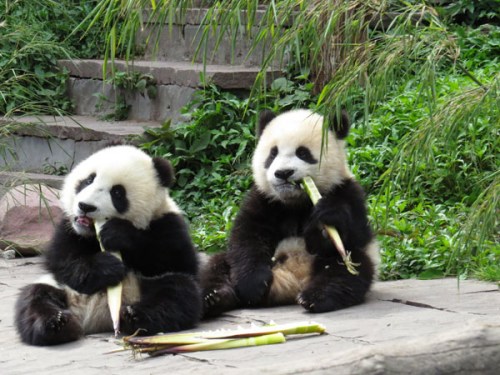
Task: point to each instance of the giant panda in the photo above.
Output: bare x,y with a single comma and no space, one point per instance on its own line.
125,188
277,251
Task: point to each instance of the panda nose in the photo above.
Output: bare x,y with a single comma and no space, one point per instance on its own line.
283,174
86,208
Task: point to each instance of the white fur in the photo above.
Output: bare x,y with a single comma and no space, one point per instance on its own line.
288,131
124,165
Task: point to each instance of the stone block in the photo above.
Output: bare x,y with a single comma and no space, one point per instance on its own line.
28,215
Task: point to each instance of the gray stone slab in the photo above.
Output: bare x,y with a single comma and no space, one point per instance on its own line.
47,143
167,104
408,326
174,72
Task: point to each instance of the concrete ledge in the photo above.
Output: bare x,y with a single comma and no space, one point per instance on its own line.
174,73
405,327
58,143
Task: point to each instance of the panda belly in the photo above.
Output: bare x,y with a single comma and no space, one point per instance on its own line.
92,310
291,271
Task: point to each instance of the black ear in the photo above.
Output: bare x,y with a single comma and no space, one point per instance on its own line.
264,118
165,171
340,124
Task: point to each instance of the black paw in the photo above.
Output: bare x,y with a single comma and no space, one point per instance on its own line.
252,289
328,297
217,301
130,320
118,235
335,215
135,320
57,321
107,270
211,299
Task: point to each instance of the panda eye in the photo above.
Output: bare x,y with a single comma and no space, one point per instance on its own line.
118,191
119,198
272,154
303,153
84,183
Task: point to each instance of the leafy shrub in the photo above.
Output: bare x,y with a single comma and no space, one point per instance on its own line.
33,35
430,209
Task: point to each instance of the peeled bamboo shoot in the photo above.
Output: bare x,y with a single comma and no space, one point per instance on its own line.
114,293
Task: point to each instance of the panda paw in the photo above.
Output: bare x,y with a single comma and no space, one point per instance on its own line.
330,213
118,235
253,288
314,303
57,321
130,320
218,301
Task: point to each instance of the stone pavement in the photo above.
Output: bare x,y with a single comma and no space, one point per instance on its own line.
406,327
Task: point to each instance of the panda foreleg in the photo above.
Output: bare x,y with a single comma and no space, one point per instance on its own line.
332,287
168,303
42,316
218,292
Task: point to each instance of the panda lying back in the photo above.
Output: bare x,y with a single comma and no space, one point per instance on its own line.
277,251
127,189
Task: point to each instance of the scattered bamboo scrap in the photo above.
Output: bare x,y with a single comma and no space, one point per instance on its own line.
217,340
310,187
114,292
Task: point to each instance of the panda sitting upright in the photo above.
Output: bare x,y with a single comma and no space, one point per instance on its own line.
278,252
126,189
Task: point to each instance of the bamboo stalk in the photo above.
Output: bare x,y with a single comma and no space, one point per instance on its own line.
220,339
114,293
200,337
312,191
219,344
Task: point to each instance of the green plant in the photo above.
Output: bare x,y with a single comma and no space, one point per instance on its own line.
125,84
30,44
471,12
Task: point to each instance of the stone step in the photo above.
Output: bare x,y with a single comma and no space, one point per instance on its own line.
48,144
175,84
179,39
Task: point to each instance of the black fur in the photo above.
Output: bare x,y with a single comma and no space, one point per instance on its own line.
244,273
265,118
165,171
162,255
43,318
340,124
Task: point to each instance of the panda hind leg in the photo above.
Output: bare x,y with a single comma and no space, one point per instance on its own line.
332,287
168,303
42,316
218,292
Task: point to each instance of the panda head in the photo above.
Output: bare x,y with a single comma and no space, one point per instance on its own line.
290,148
117,182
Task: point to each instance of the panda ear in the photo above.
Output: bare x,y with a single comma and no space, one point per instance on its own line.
165,171
265,118
340,124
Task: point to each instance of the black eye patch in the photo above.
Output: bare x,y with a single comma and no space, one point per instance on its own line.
303,153
119,198
272,155
84,183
